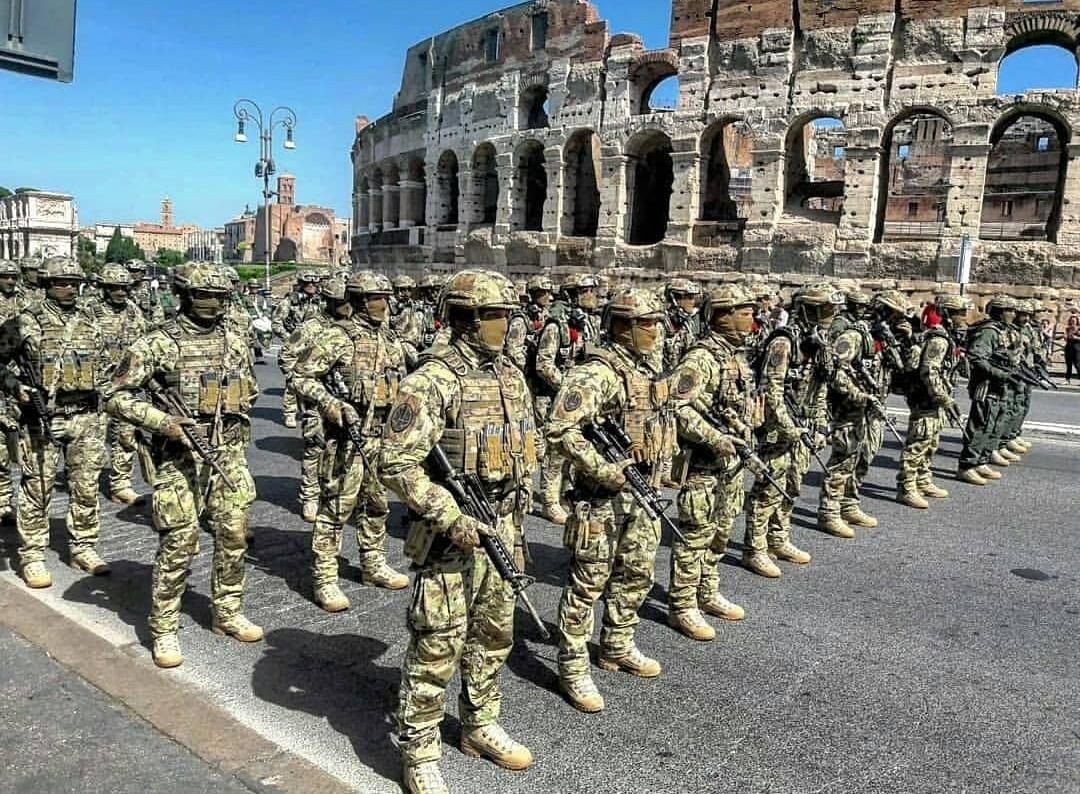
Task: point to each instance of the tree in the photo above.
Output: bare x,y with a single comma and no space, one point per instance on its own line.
122,249
4,193
87,253
26,190
167,257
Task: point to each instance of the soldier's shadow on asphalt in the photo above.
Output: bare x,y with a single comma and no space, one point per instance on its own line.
283,492
286,445
335,677
269,413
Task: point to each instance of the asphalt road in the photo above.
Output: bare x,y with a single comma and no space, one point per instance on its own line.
937,653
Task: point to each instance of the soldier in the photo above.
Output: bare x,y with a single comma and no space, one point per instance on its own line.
427,292
683,326
990,345
793,371
571,325
121,323
236,315
930,397
713,378
144,295
289,315
612,541
1032,355
364,352
409,320
61,348
31,288
470,399
207,368
527,322
11,303
336,306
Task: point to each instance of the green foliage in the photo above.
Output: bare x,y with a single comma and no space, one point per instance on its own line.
4,193
166,257
257,272
87,255
25,190
122,249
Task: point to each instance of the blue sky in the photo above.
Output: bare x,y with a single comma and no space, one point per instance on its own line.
150,111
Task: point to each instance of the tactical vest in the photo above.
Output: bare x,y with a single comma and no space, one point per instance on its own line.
206,376
376,370
732,398
918,393
494,433
117,327
428,325
66,354
10,305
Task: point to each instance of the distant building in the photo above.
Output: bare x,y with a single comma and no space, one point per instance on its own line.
205,245
38,223
298,233
240,237
103,232
155,237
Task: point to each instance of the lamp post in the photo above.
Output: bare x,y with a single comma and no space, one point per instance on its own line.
245,110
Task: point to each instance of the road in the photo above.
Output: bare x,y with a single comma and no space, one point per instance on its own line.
937,653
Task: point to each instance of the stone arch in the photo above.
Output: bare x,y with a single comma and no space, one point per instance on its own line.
650,177
533,107
530,187
485,175
375,209
1025,175
647,72
814,154
1045,27
391,195
447,189
416,200
726,148
914,176
581,187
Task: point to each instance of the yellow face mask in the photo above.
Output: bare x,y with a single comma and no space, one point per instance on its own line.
492,327
735,325
377,306
586,299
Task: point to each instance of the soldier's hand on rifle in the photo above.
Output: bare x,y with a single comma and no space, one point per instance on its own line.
612,476
820,440
876,407
341,414
794,435
466,531
173,429
725,446
24,394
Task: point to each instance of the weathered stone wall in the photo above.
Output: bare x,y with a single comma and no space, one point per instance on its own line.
530,87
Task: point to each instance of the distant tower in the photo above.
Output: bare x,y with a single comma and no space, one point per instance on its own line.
166,212
286,188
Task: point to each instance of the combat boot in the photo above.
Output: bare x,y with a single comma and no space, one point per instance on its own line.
988,473
425,778
998,459
384,576
789,552
167,651
857,518
582,694
1016,447
555,514
124,496
1010,456
309,510
492,742
634,662
760,563
90,561
7,515
1025,443
835,526
239,628
720,607
691,623
912,498
36,575
971,476
933,491
290,422
330,598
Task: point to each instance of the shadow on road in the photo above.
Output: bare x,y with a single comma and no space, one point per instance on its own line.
289,446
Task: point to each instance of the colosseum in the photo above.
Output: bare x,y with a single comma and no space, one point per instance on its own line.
847,138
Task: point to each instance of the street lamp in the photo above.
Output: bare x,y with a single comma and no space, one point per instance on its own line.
245,110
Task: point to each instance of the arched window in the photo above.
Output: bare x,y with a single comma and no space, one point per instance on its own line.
915,171
581,191
448,189
654,82
649,179
1025,179
485,183
814,177
530,188
726,169
534,108
418,201
1040,53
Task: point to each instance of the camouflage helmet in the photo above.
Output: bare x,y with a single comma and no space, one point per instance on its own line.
307,277
231,274
894,300
633,304
30,263
540,284
135,266
8,268
576,281
431,281
368,282
759,290
191,276
115,275
1002,301
952,303
478,289
57,267
334,288
1029,306
725,298
821,293
404,282
683,286
857,297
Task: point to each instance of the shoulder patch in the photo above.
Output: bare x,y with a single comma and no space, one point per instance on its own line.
686,384
573,401
403,416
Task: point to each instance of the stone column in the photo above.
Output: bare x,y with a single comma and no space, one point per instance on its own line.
766,205
967,178
685,190
470,208
860,190
613,196
411,203
390,206
363,212
553,202
375,218
1069,228
504,164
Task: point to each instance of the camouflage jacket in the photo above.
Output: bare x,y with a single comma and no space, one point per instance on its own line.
151,303
796,373
936,371
562,343
120,327
680,334
291,312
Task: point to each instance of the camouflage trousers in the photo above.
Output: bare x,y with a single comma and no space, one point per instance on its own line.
873,440
349,485
768,513
541,409
8,455
289,403
79,441
186,491
120,439
612,546
461,617
709,503
840,487
554,472
314,444
917,456
983,432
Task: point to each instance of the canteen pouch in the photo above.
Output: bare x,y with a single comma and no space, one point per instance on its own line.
419,541
209,392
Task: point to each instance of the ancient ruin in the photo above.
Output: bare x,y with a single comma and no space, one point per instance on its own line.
848,138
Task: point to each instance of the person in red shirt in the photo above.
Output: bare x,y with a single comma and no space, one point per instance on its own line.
930,316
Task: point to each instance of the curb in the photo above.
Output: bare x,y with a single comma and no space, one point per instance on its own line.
184,716
1047,430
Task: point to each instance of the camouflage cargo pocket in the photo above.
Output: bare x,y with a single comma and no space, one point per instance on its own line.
438,602
174,506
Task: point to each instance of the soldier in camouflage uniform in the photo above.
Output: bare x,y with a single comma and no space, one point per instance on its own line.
31,290
11,303
527,323
929,393
408,321
570,326
288,315
236,315
64,348
713,378
795,366
1031,355
990,390
427,295
612,541
365,353
467,397
121,323
210,368
683,325
145,297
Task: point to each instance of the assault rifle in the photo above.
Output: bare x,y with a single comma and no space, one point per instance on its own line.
613,444
952,413
31,379
167,399
749,458
866,383
1020,373
470,497
799,415
335,383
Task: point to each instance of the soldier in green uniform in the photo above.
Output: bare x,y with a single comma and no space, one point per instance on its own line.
11,303
1031,355
31,290
145,296
794,369
209,369
929,395
121,323
713,380
470,399
611,540
365,353
302,304
683,326
64,349
571,325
